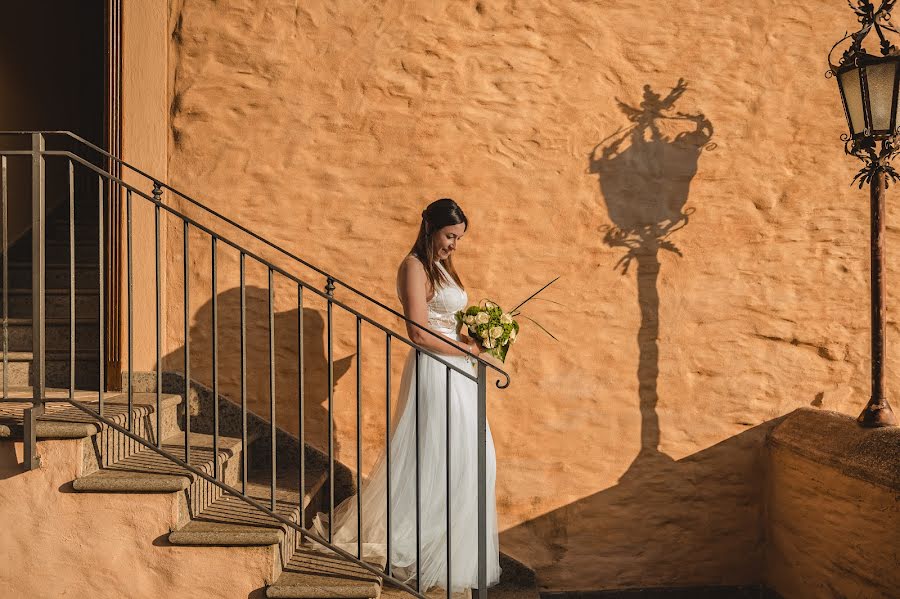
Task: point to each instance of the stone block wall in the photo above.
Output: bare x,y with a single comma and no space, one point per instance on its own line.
833,508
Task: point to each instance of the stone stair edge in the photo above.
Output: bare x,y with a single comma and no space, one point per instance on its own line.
60,429
113,480
225,534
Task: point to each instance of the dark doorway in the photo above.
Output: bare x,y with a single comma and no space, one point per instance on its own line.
52,67
60,71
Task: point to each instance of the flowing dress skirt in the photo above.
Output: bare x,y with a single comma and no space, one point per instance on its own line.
433,441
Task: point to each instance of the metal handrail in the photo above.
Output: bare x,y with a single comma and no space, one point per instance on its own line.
197,225
274,246
38,153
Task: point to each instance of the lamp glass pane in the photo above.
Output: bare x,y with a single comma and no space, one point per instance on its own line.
850,85
880,78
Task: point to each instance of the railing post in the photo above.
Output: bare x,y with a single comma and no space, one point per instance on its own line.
38,267
329,290
157,198
482,480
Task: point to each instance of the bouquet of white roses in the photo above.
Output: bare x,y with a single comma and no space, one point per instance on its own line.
494,328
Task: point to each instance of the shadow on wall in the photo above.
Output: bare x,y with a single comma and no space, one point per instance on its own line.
688,523
666,523
257,361
645,174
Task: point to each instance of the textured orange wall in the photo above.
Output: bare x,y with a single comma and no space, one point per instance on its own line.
699,144
58,542
144,139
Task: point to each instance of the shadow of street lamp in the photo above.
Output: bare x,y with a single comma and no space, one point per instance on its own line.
869,86
645,172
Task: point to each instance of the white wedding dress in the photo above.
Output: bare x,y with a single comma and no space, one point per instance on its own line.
432,571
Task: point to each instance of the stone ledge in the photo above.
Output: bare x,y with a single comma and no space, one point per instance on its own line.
836,440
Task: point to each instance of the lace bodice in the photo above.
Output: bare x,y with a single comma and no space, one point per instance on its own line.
448,299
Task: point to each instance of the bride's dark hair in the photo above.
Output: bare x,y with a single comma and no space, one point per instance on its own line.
439,214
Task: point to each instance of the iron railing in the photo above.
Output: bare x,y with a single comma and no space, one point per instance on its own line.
109,188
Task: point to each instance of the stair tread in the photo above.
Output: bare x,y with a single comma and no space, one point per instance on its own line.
64,421
232,521
316,575
389,592
53,354
53,320
148,472
53,291
27,264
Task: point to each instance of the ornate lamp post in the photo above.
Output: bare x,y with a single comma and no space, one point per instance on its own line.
869,88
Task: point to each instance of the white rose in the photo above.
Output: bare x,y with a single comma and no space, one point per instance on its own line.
490,305
489,343
469,319
483,318
496,332
506,319
484,334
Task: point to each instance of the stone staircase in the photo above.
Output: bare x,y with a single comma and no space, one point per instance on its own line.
203,516
214,544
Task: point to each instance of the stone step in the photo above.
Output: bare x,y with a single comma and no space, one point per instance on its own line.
148,472
312,574
65,421
231,521
389,592
104,445
56,302
56,365
56,333
56,275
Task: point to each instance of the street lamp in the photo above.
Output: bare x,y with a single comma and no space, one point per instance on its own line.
869,88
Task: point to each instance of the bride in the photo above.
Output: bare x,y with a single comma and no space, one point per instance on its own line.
431,293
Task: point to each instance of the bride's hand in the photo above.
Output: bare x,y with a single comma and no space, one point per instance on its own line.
470,344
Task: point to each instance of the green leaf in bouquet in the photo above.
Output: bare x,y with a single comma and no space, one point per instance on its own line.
499,352
533,295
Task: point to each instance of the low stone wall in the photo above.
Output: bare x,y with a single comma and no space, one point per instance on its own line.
833,508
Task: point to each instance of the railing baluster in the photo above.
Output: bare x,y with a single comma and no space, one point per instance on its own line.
482,481
3,202
38,289
272,380
329,290
418,476
387,442
447,505
157,196
243,374
187,343
301,424
129,259
38,155
101,288
71,280
359,525
215,359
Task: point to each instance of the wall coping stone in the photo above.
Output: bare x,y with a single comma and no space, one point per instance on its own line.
836,440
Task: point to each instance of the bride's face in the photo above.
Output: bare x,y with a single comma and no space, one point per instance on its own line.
444,240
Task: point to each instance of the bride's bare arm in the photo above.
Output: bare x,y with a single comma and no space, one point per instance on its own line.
413,287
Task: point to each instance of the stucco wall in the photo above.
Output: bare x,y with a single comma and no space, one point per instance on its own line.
144,145
58,542
699,145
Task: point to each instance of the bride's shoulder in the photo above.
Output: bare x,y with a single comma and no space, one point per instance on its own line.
410,264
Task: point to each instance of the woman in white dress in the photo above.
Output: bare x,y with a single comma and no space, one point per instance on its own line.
431,293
